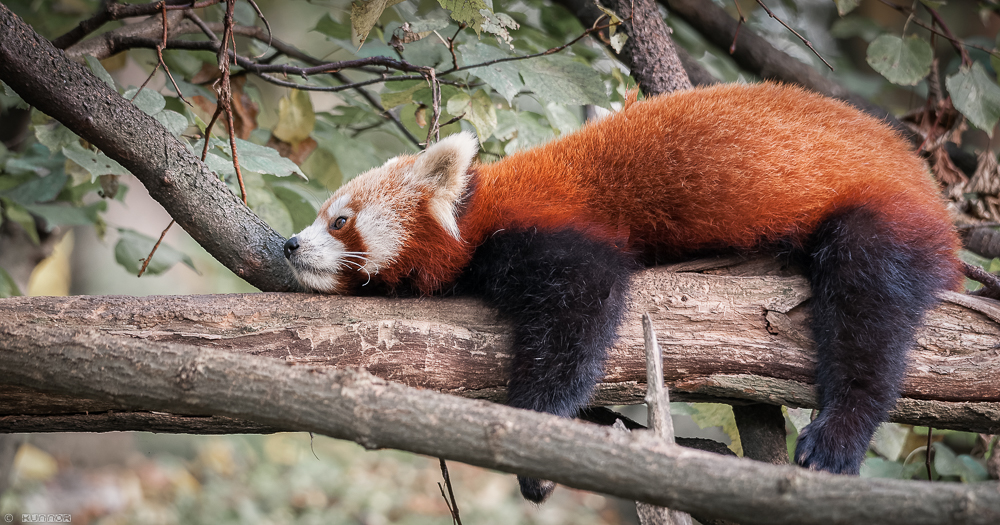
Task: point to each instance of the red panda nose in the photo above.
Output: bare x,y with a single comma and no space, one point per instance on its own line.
290,246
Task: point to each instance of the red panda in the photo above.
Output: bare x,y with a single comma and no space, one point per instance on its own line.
550,236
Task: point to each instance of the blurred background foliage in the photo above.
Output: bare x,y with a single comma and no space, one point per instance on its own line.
297,145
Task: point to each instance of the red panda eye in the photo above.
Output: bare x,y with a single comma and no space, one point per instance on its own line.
339,223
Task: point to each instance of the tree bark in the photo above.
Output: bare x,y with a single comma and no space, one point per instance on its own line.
351,404
724,337
649,51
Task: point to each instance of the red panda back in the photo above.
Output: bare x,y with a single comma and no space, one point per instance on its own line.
729,166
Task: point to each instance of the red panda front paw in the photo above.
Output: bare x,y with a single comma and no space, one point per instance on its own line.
830,447
535,490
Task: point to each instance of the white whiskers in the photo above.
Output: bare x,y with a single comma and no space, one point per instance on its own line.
361,256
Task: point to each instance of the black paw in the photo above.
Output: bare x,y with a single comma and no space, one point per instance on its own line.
825,447
535,490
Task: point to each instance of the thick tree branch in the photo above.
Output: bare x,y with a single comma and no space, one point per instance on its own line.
735,338
350,404
649,51
45,78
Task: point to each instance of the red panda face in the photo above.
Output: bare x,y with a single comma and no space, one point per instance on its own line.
362,231
357,232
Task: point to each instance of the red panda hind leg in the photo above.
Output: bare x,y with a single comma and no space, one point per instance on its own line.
870,291
565,295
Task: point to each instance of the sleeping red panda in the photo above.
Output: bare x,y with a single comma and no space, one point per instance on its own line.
551,235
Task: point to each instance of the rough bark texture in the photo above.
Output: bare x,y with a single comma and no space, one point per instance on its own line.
762,432
351,404
45,78
648,51
727,337
653,60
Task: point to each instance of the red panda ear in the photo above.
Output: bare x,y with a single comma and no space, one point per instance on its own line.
444,169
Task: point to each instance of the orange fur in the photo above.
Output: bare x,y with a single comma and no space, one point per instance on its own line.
736,166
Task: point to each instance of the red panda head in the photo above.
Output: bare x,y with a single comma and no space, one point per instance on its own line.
366,229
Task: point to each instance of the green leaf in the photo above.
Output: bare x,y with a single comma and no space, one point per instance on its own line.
860,26
55,136
185,62
64,215
253,157
846,6
268,207
364,16
881,468
718,415
903,61
947,463
38,160
398,98
149,101
467,12
477,109
504,77
332,28
99,71
95,163
133,247
8,288
562,118
174,122
298,200
15,212
531,131
890,440
353,156
499,24
976,95
565,81
37,189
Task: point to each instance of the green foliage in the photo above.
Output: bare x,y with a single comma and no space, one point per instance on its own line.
977,96
8,288
133,248
903,61
718,415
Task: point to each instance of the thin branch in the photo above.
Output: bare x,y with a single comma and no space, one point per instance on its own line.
452,505
205,28
796,33
434,127
267,25
927,458
110,11
739,23
956,43
990,282
145,261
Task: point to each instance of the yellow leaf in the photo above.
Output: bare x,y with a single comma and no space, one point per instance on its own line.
296,118
364,16
34,464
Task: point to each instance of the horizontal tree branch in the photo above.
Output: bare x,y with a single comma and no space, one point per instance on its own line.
723,337
351,404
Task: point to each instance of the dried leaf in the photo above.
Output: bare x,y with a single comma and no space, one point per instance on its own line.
944,169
